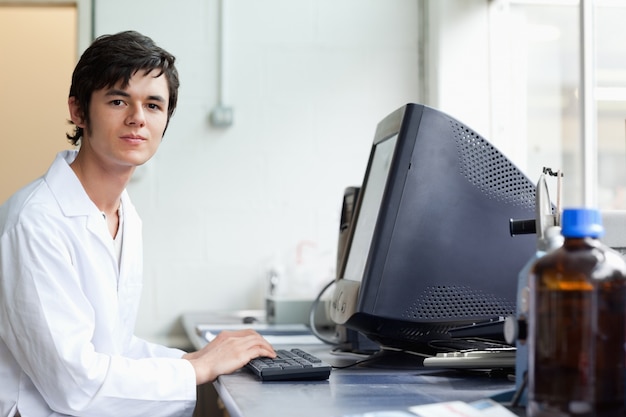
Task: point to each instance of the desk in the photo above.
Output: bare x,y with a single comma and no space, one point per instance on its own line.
347,391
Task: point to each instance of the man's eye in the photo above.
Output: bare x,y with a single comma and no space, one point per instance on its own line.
153,106
117,102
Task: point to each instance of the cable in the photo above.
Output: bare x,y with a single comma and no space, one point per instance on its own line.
312,312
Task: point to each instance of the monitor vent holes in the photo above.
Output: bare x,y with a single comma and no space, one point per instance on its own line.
485,167
457,302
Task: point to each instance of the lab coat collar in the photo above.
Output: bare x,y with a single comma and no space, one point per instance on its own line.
74,201
67,189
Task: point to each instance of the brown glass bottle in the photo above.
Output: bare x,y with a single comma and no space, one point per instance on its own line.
577,325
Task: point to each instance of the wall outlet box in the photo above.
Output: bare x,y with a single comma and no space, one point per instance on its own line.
222,116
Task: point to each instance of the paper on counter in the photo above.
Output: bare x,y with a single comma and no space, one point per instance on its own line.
481,408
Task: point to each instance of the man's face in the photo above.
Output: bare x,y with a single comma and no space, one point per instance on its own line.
126,124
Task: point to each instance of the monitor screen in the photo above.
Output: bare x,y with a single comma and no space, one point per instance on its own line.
429,250
368,212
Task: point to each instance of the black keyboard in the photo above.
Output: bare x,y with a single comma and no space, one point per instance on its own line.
293,364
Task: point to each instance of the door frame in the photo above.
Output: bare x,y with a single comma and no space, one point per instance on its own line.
84,11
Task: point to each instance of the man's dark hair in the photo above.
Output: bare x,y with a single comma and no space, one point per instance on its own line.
113,58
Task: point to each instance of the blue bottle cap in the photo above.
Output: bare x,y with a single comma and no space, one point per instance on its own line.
581,222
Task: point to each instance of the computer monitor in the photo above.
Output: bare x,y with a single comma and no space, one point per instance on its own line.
429,254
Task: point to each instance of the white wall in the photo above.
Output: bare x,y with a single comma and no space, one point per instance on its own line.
308,80
459,56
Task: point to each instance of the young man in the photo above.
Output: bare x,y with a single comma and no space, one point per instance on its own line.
71,259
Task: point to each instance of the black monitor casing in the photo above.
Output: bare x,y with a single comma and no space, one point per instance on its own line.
441,257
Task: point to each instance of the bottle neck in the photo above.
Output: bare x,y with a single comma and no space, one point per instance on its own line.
580,242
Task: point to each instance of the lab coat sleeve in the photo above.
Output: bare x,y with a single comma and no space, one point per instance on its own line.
48,323
140,348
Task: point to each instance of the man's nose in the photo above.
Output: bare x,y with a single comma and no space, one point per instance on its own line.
136,116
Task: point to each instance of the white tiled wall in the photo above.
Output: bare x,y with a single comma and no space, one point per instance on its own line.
308,80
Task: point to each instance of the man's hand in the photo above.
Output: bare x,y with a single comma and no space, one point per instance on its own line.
229,351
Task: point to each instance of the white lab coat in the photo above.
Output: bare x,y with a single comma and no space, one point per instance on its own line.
67,312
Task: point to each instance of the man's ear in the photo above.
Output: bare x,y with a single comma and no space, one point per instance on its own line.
76,112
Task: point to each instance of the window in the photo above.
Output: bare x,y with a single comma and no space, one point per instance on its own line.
548,71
